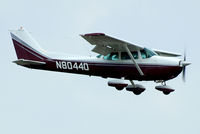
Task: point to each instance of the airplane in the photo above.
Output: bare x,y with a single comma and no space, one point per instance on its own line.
117,59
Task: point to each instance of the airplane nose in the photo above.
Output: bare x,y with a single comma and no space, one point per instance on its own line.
184,63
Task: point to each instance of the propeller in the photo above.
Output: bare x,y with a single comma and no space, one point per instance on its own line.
184,64
184,67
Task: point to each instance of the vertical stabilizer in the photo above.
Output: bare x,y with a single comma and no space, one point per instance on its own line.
25,46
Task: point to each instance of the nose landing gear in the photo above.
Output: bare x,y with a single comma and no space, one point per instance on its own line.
164,88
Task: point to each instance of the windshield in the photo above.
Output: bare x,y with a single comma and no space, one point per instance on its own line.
147,53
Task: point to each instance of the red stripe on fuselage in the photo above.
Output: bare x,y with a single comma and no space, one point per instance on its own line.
128,71
24,52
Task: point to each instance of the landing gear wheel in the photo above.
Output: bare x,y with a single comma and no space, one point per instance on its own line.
166,92
119,88
164,88
137,92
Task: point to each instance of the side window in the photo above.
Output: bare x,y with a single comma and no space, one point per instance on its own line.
125,56
99,56
112,56
135,55
115,56
107,57
143,54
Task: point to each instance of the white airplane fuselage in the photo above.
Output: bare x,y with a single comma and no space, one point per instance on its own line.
142,64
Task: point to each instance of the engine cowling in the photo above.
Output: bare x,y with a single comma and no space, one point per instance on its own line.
136,89
165,89
118,84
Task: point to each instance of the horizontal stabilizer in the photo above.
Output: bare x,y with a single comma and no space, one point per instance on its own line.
24,62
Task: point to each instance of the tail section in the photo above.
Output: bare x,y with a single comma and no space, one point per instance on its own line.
26,47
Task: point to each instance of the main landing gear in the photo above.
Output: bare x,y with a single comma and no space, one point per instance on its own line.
137,89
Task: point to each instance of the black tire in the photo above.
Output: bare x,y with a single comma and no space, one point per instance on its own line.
166,92
119,88
136,92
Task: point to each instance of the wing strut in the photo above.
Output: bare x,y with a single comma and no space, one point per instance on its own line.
131,56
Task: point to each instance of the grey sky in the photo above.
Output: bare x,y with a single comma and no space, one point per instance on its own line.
34,101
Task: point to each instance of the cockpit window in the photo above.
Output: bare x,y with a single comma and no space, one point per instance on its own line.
125,56
146,53
112,56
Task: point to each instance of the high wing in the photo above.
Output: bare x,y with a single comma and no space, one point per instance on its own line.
106,44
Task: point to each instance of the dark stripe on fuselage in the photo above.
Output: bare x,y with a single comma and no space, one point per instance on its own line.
27,49
24,44
128,71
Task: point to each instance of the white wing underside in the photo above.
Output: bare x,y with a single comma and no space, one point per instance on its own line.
105,44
